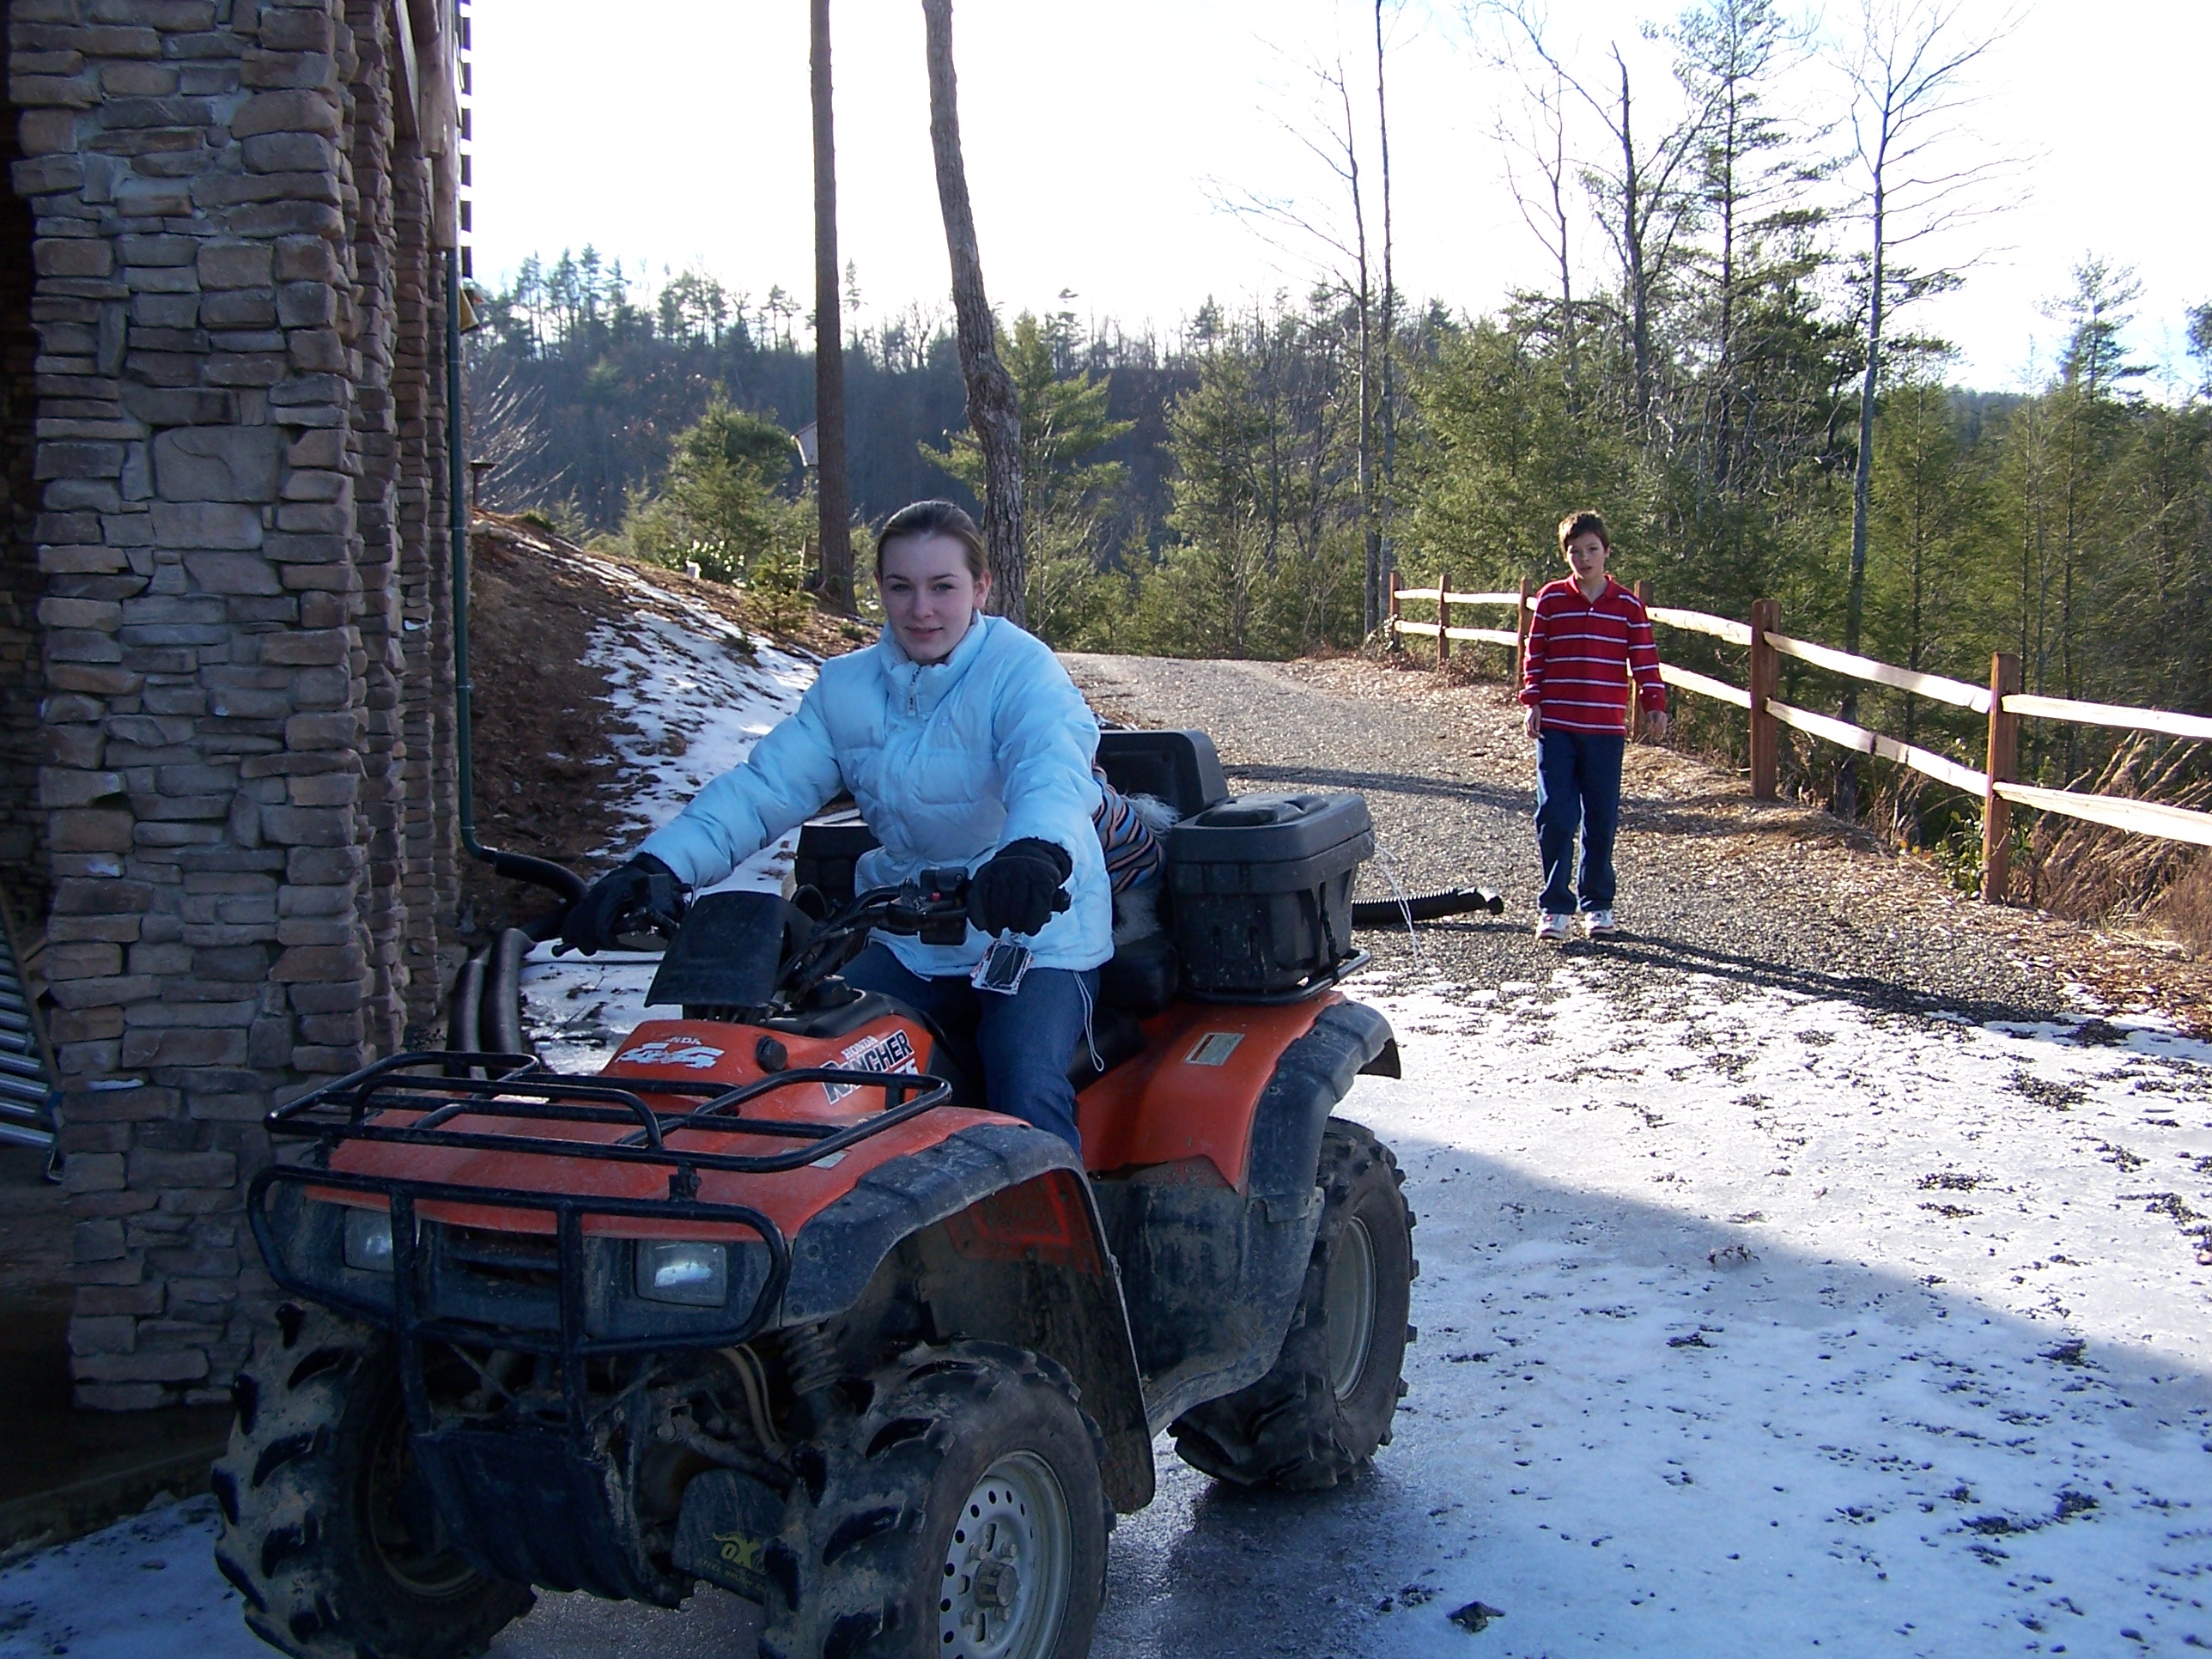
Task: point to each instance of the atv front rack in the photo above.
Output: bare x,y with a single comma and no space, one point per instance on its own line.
518,1088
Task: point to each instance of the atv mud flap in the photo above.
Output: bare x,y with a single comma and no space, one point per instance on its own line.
1211,1277
534,1509
723,1534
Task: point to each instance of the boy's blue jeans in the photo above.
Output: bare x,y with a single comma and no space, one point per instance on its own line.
1577,788
1018,1045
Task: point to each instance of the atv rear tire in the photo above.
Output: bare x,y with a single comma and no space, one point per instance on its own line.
1320,1413
959,1513
327,1533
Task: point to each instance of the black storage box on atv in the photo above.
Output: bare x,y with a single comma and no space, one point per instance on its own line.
828,848
1262,887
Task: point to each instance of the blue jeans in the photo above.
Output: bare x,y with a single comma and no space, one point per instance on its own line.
1577,788
1019,1046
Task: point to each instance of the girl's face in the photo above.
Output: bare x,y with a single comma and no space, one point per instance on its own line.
930,596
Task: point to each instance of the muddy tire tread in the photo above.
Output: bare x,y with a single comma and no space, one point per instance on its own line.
857,1531
275,1485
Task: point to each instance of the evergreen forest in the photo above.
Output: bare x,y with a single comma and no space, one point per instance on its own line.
1739,390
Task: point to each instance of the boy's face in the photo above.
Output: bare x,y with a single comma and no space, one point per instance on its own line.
1586,557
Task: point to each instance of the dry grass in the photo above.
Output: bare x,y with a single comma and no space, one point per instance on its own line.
2091,874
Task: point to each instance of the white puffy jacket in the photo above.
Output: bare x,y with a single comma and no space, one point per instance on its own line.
948,762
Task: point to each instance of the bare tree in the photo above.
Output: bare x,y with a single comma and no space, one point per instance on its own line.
1378,533
1754,180
1543,203
992,409
1907,78
507,436
1284,221
1646,200
832,494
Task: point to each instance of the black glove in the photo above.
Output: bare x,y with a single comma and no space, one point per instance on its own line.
644,890
1019,889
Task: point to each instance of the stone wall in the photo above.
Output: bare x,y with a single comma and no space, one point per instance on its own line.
243,787
23,682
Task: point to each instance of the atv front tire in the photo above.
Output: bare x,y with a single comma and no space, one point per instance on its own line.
958,1512
328,1533
1326,1406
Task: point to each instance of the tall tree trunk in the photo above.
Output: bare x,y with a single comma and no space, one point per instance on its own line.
992,409
1382,556
1370,603
833,496
1847,774
1633,210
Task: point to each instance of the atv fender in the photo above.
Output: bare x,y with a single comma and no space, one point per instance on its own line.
996,1236
1314,1073
1212,1275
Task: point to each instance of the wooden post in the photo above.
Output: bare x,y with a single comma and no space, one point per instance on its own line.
1395,637
1642,591
1765,682
1520,650
1444,618
2003,761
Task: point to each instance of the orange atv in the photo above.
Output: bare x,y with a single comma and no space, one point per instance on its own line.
775,1302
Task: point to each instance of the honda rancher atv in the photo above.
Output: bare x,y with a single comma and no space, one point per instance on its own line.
776,1303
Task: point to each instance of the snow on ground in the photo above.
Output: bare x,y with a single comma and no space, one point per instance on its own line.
695,693
696,690
1755,1322
1750,1322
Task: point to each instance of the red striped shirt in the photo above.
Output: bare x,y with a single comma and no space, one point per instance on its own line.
1582,655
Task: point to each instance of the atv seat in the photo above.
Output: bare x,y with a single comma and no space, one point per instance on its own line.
1115,1034
1180,767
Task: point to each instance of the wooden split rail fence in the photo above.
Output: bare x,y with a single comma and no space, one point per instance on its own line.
2001,703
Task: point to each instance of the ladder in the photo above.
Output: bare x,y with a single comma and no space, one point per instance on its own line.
27,1091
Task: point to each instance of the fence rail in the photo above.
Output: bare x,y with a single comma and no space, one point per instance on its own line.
2002,702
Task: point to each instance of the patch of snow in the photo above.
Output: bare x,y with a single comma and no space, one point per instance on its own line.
1752,1324
694,693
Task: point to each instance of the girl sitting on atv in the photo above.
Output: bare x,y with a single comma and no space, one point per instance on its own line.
964,743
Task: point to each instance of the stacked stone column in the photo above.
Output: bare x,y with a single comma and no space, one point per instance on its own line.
223,618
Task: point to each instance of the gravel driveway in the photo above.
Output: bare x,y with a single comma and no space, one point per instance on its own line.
1774,895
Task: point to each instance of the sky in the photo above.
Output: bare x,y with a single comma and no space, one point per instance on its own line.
1103,143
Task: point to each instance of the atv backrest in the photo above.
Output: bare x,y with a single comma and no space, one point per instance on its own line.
1180,767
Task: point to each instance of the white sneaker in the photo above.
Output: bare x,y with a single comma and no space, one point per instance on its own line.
1597,923
1554,928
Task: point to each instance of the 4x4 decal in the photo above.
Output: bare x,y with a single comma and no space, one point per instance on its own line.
673,1051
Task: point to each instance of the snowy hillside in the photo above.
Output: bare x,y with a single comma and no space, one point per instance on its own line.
691,694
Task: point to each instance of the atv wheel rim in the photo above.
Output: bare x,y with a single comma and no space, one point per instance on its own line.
400,1518
1008,1565
1350,1300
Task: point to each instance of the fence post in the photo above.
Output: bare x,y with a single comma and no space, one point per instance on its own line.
1765,681
1444,618
2003,761
1394,635
1521,648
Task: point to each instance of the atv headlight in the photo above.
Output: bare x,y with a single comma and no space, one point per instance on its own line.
369,1240
696,1275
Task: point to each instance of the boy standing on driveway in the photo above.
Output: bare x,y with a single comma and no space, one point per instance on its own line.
1588,638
